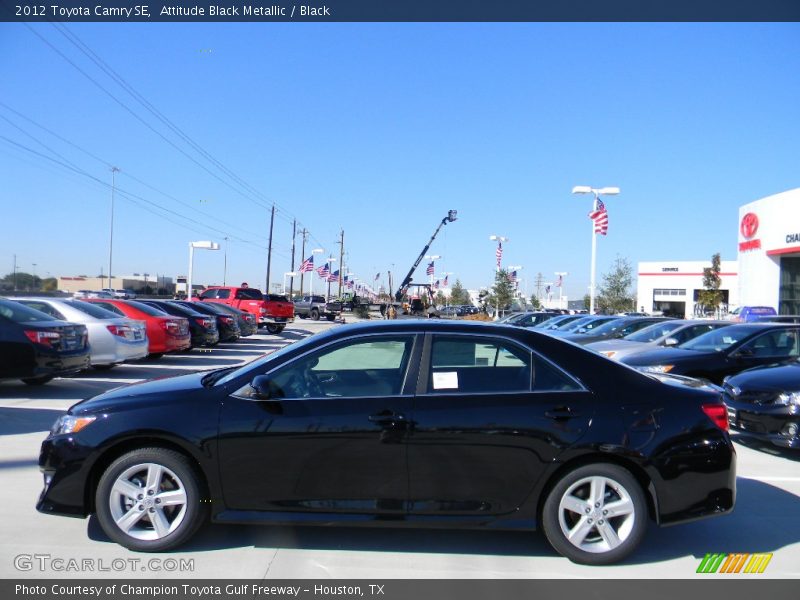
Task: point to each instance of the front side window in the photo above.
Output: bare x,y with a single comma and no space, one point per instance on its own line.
366,367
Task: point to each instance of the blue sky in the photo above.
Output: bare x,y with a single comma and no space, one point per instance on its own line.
379,129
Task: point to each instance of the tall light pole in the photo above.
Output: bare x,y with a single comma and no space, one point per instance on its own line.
597,192
560,280
34,275
285,275
311,277
225,264
202,246
114,171
499,252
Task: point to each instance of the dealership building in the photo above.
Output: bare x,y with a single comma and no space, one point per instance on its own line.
766,273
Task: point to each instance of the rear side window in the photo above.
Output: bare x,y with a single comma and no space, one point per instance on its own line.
45,308
208,294
248,294
109,306
147,309
223,294
478,365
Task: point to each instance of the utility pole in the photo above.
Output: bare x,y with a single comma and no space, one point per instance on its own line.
294,238
304,233
269,249
114,171
225,264
15,272
341,261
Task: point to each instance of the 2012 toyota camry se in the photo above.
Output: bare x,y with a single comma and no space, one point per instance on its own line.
400,423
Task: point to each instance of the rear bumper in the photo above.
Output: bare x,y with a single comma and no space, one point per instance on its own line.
265,319
205,337
55,365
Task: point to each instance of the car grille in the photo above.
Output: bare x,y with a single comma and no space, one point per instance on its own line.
760,397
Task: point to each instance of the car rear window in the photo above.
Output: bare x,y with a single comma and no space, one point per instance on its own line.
147,309
93,311
249,294
277,298
20,313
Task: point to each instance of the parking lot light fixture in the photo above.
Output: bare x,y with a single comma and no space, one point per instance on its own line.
204,245
596,192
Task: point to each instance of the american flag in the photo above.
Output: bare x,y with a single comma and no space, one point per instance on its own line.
429,270
446,279
377,276
547,289
307,265
334,276
513,277
436,285
324,271
499,253
600,217
559,281
350,284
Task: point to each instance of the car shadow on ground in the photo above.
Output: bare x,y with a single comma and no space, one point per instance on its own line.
737,532
766,448
14,421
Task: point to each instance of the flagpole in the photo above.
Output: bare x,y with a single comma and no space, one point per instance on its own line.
594,259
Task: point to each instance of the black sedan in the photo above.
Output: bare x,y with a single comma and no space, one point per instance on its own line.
765,403
722,352
227,325
400,423
248,325
202,326
35,347
613,329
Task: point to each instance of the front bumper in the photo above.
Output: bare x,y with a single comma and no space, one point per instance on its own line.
776,424
64,464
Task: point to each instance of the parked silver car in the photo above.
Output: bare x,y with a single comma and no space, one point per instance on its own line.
113,339
666,333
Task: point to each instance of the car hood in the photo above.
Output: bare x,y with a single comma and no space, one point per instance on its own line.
156,390
659,356
779,377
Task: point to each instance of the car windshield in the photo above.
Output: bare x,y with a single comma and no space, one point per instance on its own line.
653,332
594,325
93,311
20,313
608,326
277,298
717,340
575,324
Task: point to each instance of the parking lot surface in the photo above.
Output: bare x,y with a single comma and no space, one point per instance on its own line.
39,546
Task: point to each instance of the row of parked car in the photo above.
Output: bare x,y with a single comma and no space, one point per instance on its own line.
756,365
43,338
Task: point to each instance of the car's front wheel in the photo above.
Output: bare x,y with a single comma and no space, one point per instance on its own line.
595,515
150,500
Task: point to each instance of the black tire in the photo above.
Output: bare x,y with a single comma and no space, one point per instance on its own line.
275,329
314,314
302,316
37,380
155,356
103,367
178,473
618,485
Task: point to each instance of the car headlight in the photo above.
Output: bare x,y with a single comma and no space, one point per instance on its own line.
789,398
656,368
70,424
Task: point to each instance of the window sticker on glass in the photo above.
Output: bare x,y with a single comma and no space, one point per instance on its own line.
727,339
445,381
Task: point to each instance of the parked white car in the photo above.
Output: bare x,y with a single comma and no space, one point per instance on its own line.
113,339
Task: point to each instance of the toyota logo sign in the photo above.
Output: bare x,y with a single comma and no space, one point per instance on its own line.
749,225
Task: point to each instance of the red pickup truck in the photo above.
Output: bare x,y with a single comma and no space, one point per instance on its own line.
272,311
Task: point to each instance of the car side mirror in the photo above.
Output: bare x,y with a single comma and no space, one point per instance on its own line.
671,341
744,353
261,387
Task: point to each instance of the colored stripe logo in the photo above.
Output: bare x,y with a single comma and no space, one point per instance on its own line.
735,563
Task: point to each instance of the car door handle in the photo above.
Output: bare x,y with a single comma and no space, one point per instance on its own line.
562,412
387,417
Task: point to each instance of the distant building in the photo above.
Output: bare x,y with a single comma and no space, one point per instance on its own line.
136,282
672,288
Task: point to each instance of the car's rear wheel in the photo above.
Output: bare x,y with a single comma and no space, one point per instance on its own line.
37,380
275,329
149,500
155,355
314,314
595,514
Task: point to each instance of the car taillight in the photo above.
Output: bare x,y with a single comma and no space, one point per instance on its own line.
171,327
227,320
45,338
718,415
203,322
125,331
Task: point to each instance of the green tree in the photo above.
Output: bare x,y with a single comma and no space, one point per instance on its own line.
710,297
615,291
458,295
50,284
24,281
440,297
535,302
502,292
